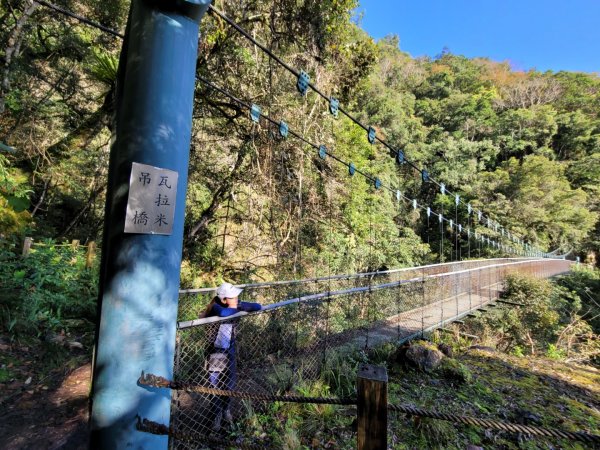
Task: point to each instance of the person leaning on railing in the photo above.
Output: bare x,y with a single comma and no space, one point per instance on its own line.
221,362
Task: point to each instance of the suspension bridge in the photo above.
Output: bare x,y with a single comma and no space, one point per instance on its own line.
307,323
304,323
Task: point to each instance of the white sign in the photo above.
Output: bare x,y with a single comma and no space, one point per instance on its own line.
151,202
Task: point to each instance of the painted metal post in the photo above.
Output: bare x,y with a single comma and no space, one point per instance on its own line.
139,279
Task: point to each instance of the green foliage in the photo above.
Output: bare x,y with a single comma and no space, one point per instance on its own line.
556,320
536,192
452,369
14,200
553,352
523,146
103,66
584,282
48,291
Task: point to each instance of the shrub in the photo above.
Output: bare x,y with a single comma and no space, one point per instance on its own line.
48,291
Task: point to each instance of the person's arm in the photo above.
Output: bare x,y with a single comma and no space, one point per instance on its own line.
223,311
249,307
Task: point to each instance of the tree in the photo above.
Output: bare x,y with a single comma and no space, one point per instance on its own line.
536,198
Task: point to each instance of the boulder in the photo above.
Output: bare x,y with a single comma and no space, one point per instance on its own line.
445,349
424,356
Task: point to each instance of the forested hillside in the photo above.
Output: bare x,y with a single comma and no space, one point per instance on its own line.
522,146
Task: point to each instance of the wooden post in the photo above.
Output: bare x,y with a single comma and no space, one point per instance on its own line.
91,253
371,386
75,244
27,246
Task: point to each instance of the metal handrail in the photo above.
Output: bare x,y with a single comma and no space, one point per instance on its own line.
351,291
348,276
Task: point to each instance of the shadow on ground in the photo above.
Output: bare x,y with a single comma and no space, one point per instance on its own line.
49,413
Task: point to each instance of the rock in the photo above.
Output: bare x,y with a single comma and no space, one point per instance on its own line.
473,447
446,349
424,356
398,358
55,338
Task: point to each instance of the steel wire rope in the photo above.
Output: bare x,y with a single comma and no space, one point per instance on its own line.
398,297
424,286
296,73
442,236
519,240
272,134
30,111
428,225
371,178
457,233
480,242
370,260
351,249
148,426
328,298
80,18
300,211
497,424
469,235
441,261
91,23
161,382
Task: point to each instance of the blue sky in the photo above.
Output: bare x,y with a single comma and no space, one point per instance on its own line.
546,35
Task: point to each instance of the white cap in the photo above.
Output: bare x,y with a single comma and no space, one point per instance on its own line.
228,290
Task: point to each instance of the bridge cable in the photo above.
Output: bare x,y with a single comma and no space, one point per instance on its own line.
297,73
519,240
526,248
370,267
161,382
79,18
352,169
442,259
469,235
457,232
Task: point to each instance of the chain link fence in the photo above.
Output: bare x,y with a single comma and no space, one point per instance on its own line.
306,325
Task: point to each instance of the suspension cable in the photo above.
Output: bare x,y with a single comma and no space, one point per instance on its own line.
296,73
372,179
262,47
79,18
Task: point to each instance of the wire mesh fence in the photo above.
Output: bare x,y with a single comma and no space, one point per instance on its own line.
305,325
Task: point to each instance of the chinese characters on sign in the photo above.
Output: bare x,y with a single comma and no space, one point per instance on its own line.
151,202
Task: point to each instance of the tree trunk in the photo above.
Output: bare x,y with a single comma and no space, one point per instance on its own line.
87,130
219,196
12,46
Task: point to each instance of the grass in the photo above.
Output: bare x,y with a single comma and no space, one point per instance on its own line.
535,391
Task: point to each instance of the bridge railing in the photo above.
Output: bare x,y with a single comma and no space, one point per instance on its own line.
302,332
193,301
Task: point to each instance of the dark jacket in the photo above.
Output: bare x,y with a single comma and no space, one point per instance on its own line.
222,335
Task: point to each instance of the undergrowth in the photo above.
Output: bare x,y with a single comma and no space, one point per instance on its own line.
48,292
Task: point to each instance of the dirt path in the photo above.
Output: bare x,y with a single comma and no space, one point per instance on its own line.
49,416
